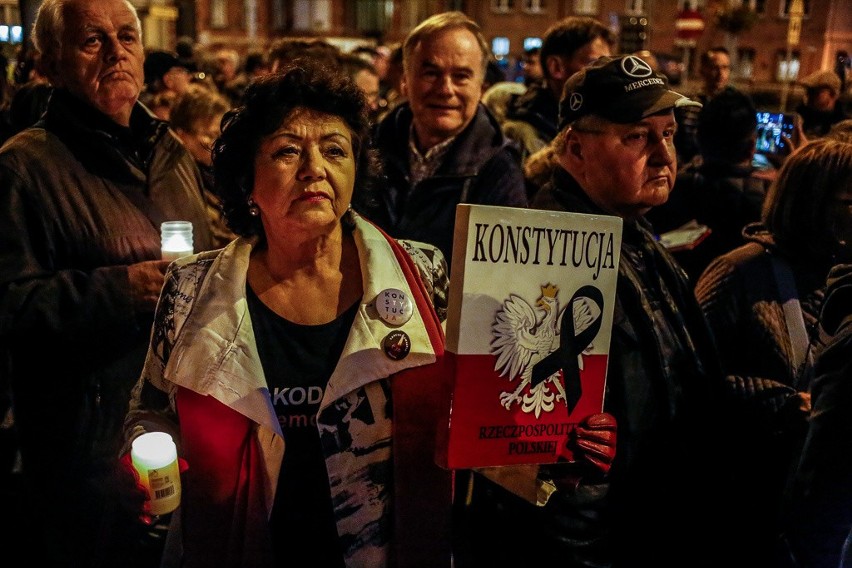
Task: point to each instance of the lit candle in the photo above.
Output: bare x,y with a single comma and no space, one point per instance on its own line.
154,457
175,239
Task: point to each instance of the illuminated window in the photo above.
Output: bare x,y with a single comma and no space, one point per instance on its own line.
534,6
218,13
586,7
312,15
531,43
786,70
500,46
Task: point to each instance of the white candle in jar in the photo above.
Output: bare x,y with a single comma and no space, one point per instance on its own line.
175,239
154,456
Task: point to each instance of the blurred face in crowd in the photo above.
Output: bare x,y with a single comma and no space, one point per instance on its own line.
532,67
304,174
821,98
101,57
560,67
227,61
624,168
443,82
369,84
716,72
585,56
199,140
177,79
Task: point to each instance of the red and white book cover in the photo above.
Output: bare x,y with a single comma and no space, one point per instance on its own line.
528,332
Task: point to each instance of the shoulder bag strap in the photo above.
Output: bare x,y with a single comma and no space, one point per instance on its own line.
792,313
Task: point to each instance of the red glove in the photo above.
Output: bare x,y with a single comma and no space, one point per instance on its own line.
593,441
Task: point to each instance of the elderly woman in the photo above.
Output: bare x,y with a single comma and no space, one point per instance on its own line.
762,301
297,368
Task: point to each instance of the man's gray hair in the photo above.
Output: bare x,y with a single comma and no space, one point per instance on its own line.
439,23
49,26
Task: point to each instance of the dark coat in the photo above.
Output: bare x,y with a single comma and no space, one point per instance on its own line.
481,167
537,107
80,200
819,503
662,387
744,306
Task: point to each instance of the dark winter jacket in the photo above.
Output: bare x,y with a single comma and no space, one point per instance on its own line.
538,107
81,198
661,387
818,508
744,305
482,167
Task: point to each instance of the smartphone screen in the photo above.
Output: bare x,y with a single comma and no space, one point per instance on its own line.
770,126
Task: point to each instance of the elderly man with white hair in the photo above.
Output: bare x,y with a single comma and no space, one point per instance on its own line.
82,196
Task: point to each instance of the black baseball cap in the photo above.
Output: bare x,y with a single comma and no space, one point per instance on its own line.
622,89
158,63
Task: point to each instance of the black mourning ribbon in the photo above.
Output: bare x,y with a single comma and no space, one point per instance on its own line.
570,346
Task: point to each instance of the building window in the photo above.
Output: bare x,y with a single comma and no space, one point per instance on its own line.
372,17
759,6
586,7
279,15
745,63
312,15
535,6
218,13
635,7
786,70
502,6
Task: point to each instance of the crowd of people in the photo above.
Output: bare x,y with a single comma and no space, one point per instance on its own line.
322,187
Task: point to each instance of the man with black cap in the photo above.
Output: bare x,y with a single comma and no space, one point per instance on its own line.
166,79
616,157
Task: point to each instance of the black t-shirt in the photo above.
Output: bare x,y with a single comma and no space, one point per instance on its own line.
298,361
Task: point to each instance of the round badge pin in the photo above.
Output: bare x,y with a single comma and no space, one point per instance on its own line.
396,345
394,306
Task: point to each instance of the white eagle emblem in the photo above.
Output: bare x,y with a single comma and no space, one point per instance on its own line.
521,340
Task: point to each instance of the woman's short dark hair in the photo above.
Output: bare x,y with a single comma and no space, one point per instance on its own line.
267,102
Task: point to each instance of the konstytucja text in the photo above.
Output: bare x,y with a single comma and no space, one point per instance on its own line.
536,245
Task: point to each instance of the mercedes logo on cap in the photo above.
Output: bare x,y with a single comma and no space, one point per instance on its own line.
635,67
575,102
